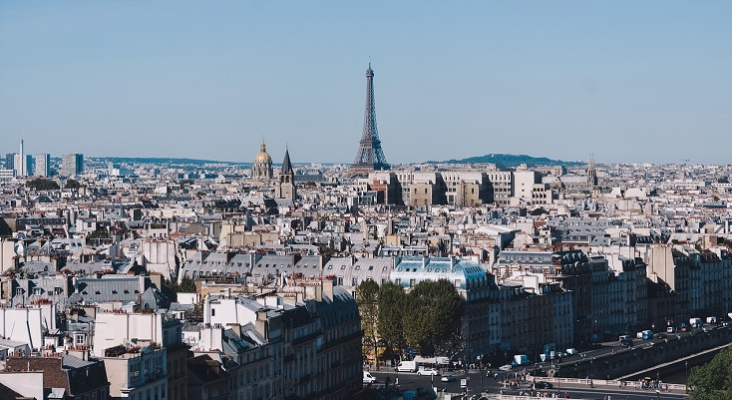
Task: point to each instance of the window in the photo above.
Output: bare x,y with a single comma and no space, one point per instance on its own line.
213,312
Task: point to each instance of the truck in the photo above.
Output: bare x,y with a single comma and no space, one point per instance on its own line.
647,334
695,322
520,359
622,338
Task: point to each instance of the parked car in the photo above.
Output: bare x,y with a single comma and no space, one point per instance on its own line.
428,371
506,367
448,378
543,385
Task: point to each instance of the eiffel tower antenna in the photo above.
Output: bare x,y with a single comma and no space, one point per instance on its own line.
370,155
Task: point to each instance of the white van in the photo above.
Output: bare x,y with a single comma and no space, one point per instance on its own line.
406,366
368,378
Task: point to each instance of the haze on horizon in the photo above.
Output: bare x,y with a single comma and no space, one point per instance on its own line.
627,81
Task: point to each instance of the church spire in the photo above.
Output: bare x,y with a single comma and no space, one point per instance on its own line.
286,164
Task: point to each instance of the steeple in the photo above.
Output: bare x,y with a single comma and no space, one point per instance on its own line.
286,188
286,165
591,172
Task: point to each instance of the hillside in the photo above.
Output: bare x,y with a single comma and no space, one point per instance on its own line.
511,161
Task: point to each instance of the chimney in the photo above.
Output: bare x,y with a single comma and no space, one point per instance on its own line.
328,288
261,324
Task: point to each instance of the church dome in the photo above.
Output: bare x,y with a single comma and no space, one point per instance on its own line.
263,157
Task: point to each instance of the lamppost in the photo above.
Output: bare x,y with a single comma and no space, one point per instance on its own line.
559,378
592,360
686,367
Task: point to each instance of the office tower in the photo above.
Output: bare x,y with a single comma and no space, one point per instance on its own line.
10,161
42,165
72,165
370,155
18,164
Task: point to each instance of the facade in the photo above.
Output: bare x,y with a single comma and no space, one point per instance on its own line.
137,372
262,167
311,340
72,165
42,165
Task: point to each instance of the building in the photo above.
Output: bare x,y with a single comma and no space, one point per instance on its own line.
66,375
312,332
286,187
42,165
72,165
262,167
137,372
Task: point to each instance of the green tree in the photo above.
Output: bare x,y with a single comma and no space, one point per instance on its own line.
435,310
391,309
713,380
367,299
187,285
72,184
42,184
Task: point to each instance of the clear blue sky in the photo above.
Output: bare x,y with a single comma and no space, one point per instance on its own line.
630,81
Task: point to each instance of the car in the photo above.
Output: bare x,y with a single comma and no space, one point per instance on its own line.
543,385
448,378
506,367
428,371
661,336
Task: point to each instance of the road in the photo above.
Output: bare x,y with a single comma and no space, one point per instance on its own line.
480,382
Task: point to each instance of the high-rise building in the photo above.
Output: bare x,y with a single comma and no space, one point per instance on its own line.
370,155
42,165
10,161
22,164
72,165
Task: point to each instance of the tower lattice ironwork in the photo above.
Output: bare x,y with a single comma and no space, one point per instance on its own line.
370,155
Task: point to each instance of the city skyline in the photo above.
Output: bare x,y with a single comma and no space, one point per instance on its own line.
629,82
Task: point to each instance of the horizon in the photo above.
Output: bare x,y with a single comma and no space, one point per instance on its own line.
628,82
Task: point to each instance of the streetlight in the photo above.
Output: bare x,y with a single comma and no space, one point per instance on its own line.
592,360
686,367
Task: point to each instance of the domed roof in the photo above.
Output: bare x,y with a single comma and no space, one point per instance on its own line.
263,157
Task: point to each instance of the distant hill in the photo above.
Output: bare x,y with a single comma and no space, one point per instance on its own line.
163,161
511,161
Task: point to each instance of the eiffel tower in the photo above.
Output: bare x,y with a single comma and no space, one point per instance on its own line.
370,155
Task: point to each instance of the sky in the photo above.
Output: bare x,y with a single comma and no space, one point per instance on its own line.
626,81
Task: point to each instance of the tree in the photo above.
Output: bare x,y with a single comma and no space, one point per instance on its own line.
391,309
367,298
42,184
434,318
713,380
72,184
187,285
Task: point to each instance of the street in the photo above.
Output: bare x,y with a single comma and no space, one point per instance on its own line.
478,382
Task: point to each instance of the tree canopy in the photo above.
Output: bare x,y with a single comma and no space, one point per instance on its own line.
391,310
186,285
435,310
367,297
713,380
42,184
72,184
